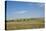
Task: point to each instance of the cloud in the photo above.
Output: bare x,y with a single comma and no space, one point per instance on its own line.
21,12
41,5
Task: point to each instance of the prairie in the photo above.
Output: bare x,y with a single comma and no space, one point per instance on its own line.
25,24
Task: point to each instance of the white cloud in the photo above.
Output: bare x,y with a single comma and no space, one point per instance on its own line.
21,12
41,4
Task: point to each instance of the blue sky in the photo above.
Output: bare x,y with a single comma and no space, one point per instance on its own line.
17,9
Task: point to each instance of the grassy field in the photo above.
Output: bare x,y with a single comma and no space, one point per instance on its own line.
25,24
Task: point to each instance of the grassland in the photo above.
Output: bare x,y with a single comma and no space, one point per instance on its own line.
29,23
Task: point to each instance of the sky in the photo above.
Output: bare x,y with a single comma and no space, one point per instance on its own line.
16,9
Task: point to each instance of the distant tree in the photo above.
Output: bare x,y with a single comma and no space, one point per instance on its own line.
27,19
24,19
